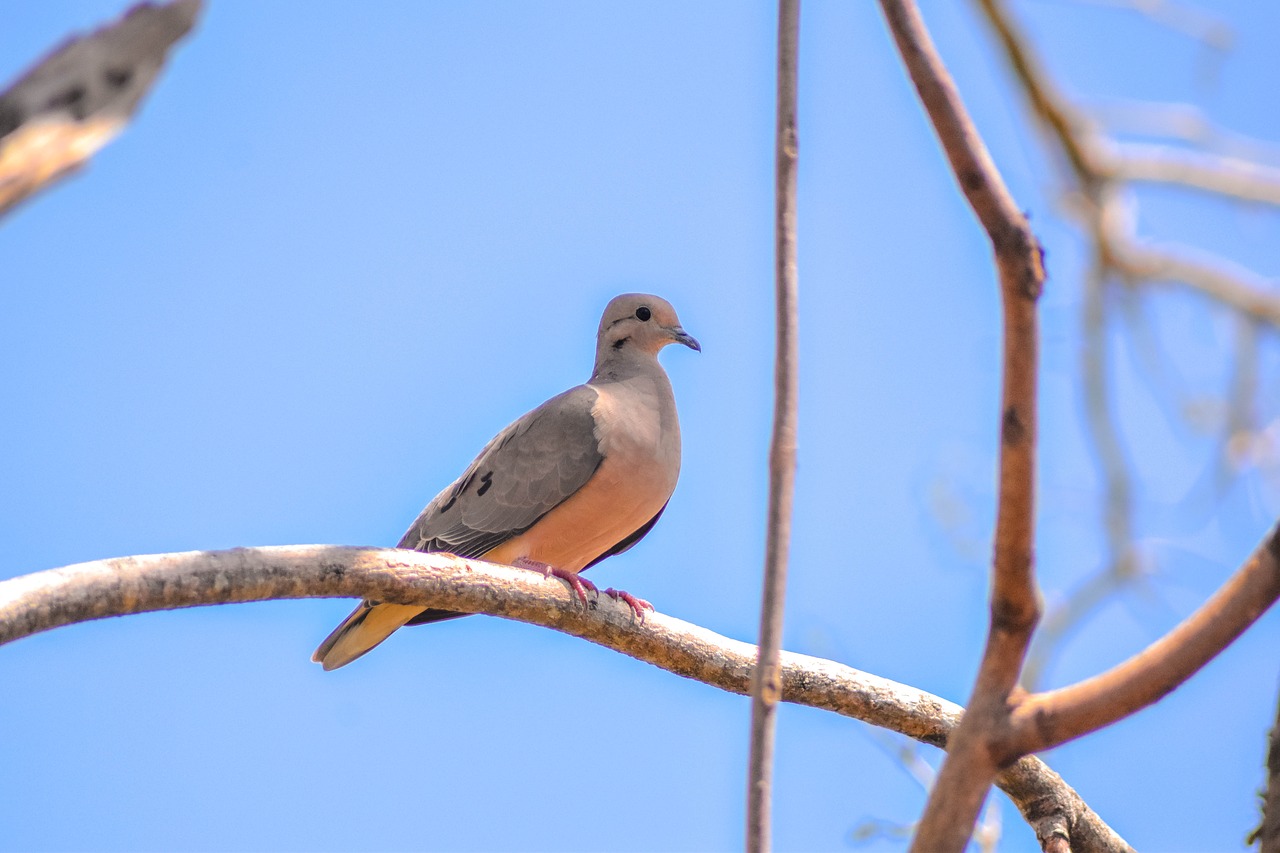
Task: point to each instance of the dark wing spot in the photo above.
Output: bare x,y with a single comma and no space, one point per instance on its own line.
117,78
72,99
453,498
486,481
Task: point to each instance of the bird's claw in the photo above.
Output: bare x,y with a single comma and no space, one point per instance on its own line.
580,585
638,605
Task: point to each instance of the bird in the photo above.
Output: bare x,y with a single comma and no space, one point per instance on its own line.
584,476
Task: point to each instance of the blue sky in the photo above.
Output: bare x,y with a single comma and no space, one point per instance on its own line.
344,244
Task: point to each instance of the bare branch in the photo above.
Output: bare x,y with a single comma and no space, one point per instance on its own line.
1096,163
117,587
1053,110
1212,173
75,100
1219,279
766,689
1047,719
967,773
1185,122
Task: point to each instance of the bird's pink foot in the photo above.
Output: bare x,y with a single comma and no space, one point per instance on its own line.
638,605
578,584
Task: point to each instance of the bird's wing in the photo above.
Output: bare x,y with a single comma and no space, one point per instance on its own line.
528,469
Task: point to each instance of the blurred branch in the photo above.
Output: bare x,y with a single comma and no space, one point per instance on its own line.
1101,171
766,687
1185,122
1211,31
1224,176
1240,425
45,600
80,96
969,768
1228,283
1097,164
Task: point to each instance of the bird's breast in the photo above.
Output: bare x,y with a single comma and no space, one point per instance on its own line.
639,439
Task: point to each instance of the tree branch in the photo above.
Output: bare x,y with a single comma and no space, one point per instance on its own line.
1097,164
1211,173
1048,719
45,600
766,689
969,769
1226,282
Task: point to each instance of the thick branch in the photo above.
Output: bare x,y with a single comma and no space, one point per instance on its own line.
965,776
766,689
45,600
1048,719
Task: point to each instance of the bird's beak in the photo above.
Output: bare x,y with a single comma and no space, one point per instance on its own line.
680,336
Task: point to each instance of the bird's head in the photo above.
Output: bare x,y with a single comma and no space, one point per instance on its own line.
643,323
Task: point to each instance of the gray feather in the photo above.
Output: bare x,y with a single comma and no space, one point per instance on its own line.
529,469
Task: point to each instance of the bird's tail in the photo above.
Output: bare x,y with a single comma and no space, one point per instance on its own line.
366,627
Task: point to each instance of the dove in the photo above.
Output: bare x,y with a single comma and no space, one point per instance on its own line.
582,477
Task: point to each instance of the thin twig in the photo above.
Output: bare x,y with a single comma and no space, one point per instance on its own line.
1240,422
766,689
967,772
105,588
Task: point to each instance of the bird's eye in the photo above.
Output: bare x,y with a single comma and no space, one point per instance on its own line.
643,313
